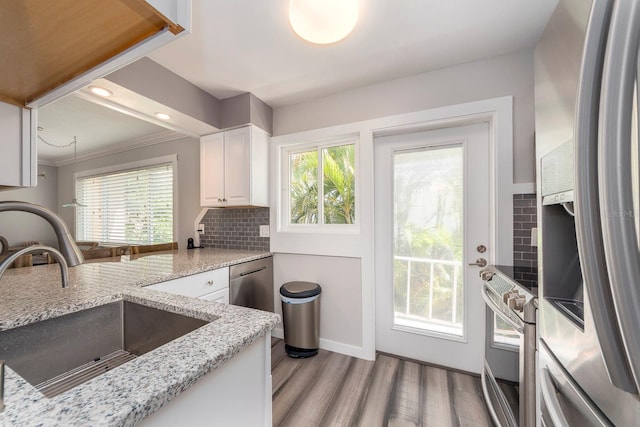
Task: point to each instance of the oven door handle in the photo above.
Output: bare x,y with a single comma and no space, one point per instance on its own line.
548,390
487,380
497,310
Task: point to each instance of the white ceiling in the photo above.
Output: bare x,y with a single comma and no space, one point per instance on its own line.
248,46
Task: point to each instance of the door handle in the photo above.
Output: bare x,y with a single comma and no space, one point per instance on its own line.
480,262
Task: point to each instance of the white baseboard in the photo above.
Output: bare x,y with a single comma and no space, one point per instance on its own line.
334,346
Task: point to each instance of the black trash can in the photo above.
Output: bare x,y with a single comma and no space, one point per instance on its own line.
301,318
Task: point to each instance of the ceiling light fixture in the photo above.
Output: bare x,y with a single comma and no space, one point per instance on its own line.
323,21
163,116
100,91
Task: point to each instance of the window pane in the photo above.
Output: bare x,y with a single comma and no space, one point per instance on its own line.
503,333
428,239
339,184
127,207
303,179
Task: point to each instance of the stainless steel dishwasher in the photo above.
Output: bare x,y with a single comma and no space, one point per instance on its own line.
251,284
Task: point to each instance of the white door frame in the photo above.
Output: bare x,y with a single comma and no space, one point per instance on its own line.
498,113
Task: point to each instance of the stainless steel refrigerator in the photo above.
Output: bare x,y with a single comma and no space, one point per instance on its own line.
586,70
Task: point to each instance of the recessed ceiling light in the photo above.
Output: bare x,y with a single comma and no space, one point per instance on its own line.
100,91
163,116
323,21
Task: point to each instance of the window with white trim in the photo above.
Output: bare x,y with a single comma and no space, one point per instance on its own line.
319,185
134,205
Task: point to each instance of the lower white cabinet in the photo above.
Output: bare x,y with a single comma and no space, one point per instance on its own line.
218,296
238,393
211,285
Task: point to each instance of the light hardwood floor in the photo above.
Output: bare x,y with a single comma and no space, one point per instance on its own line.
332,389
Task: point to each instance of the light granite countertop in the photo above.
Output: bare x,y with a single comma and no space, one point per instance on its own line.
132,391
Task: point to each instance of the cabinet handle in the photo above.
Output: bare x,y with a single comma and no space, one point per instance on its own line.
224,200
210,282
219,200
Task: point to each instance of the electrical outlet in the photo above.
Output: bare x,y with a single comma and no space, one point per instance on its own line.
201,228
264,231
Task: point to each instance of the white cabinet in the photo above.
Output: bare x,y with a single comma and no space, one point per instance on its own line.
238,393
218,296
18,166
234,168
211,285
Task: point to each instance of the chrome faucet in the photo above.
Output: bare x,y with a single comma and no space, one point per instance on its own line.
68,247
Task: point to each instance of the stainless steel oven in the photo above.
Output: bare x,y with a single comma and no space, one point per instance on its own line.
512,308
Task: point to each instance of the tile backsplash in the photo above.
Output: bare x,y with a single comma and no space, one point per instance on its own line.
524,219
235,228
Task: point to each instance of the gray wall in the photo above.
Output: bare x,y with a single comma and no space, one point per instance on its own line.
501,76
17,227
188,198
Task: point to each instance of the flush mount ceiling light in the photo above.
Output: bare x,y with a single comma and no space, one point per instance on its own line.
100,91
323,21
163,116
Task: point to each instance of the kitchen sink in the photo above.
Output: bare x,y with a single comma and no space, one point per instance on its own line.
58,354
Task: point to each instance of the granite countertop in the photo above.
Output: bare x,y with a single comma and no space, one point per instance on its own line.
131,391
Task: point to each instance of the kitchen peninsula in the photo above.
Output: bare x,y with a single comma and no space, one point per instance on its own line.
157,380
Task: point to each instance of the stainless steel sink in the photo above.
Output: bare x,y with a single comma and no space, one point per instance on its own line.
57,354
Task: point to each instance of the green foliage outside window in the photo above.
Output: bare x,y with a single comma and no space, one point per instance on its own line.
338,186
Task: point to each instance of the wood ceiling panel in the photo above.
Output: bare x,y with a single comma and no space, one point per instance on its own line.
46,43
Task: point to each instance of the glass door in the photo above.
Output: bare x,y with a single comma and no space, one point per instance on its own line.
432,215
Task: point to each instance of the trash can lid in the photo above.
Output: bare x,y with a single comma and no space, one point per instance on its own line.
300,289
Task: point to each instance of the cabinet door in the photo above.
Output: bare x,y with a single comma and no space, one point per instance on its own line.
17,139
237,151
196,285
212,170
219,296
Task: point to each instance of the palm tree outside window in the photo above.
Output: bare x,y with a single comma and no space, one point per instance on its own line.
322,187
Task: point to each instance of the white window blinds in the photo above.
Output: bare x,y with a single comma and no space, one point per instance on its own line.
132,206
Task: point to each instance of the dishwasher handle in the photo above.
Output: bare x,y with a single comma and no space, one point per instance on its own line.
253,271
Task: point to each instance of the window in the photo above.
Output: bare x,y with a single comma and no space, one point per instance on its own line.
320,185
131,205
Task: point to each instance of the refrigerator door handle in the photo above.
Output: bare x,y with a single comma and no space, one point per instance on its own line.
550,397
563,398
586,204
615,174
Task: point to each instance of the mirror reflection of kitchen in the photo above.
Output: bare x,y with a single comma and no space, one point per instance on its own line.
78,138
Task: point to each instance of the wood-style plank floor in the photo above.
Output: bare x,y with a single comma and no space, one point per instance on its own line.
332,389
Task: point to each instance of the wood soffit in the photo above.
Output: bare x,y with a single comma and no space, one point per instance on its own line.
44,44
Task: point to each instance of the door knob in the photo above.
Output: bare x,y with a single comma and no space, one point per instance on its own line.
481,249
480,262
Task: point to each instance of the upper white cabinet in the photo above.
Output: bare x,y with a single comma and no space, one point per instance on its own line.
234,168
18,166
